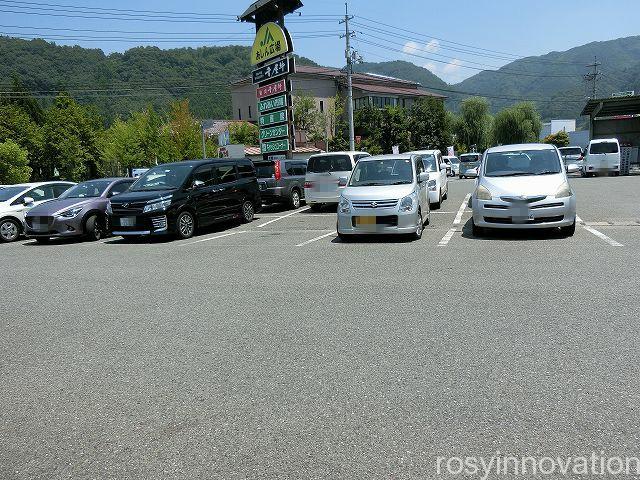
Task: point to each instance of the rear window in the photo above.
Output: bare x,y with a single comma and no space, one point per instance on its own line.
571,151
470,158
329,163
265,170
296,168
603,147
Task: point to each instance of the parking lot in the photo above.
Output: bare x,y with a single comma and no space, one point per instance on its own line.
273,350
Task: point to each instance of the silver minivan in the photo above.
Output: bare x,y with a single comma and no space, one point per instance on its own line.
327,174
386,194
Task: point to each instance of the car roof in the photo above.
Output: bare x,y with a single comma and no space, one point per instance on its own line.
37,184
571,146
422,152
342,152
389,156
203,161
522,146
605,140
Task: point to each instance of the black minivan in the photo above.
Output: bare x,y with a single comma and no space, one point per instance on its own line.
176,198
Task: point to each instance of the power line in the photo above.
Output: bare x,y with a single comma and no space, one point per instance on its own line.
90,38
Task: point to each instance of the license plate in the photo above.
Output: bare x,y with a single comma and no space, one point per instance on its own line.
127,221
369,220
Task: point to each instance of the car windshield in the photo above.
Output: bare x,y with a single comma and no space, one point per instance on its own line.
522,162
429,162
382,172
603,147
469,158
91,189
571,151
329,163
162,177
9,192
454,160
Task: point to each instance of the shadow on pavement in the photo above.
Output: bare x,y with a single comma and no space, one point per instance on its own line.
523,234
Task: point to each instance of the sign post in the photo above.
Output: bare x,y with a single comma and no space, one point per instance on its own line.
271,57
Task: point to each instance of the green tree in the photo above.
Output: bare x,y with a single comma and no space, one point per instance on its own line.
429,125
70,144
17,125
474,125
307,118
395,129
183,134
560,139
14,165
243,133
368,125
520,123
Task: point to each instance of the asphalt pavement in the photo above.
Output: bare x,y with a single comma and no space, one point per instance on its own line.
273,350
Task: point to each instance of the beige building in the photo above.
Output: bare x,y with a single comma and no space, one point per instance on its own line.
325,83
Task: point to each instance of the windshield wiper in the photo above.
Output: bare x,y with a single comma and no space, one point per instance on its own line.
513,174
547,172
403,182
369,184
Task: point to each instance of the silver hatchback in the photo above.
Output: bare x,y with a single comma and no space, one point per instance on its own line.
386,194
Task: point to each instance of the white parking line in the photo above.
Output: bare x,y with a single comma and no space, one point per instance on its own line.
332,232
447,237
213,238
283,216
598,233
458,218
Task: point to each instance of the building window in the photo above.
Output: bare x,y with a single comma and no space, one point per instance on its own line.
321,106
239,114
250,116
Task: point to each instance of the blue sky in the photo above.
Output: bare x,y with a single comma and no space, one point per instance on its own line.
451,38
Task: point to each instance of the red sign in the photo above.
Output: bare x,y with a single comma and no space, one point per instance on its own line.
272,89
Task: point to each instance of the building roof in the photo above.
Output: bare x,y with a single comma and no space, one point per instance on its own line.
256,150
363,81
613,106
219,126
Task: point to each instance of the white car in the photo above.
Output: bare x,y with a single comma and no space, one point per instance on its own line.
438,180
523,186
327,175
16,200
455,165
603,157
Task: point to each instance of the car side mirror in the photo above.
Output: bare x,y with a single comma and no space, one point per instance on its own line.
443,166
28,200
573,168
423,177
343,181
197,184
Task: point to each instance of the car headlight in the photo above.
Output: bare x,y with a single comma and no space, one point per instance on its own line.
71,213
157,204
431,184
344,206
406,204
483,193
564,191
109,210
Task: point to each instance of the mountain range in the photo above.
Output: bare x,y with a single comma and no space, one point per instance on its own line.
120,82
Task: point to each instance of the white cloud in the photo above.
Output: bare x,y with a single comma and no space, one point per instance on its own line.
431,67
433,46
411,47
452,67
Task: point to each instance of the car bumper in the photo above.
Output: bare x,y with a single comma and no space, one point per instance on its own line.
434,195
388,221
548,213
312,196
53,227
600,168
142,225
273,194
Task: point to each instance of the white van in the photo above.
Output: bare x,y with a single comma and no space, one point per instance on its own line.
327,175
603,157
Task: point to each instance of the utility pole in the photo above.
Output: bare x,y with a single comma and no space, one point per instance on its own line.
347,53
593,77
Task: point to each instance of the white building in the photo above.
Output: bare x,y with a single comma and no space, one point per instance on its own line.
555,126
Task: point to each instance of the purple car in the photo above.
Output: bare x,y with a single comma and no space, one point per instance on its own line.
80,211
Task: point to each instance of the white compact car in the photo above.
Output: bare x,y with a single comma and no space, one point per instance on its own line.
16,200
603,157
327,174
438,180
386,194
523,186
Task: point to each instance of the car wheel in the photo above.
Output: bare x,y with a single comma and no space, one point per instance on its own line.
248,211
294,201
185,225
9,230
43,240
315,207
436,206
569,231
475,230
419,227
446,194
94,228
460,177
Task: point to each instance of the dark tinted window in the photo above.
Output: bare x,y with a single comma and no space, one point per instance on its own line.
522,162
604,147
571,151
203,174
163,177
329,163
245,170
361,155
60,188
7,192
265,170
296,168
225,173
470,158
90,189
121,187
38,194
